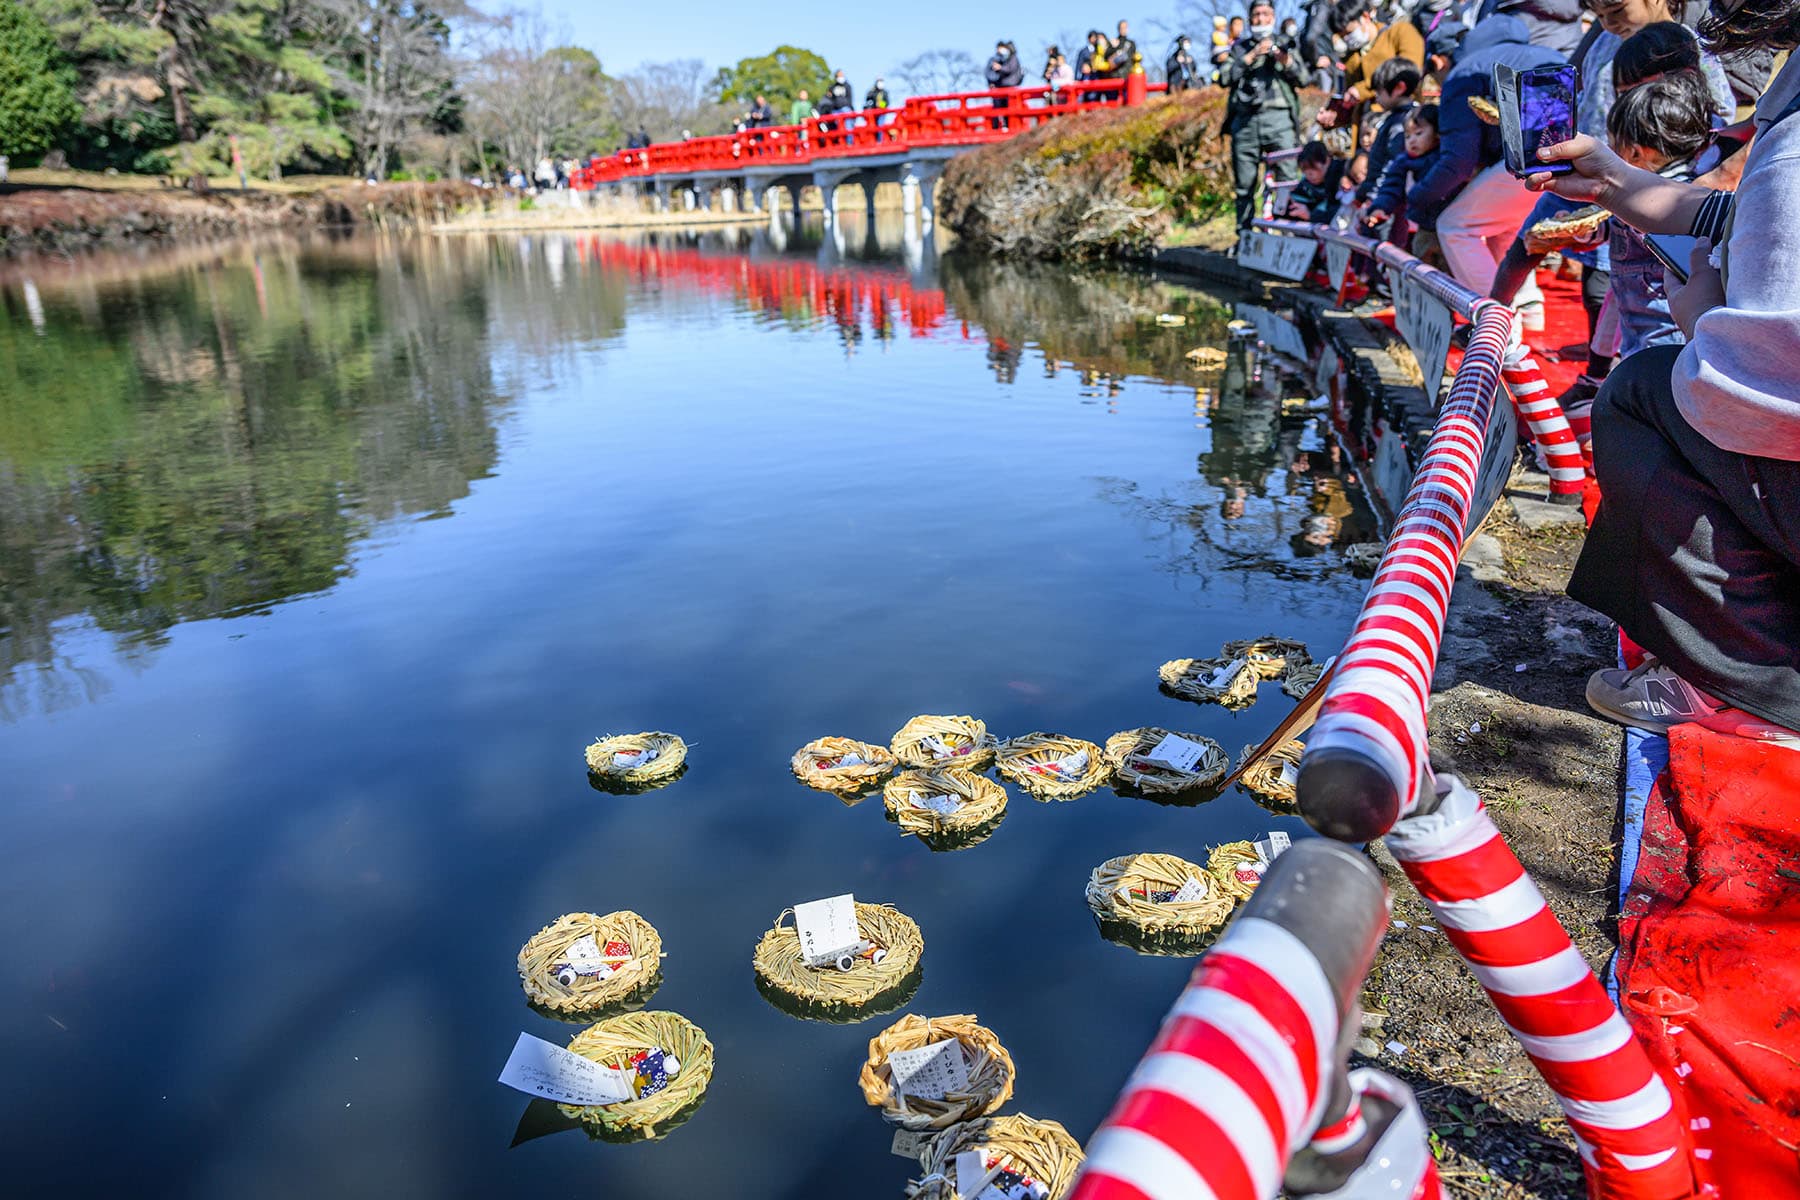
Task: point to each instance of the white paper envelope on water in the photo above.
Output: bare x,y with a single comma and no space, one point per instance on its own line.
826,926
1177,752
930,1072
543,1069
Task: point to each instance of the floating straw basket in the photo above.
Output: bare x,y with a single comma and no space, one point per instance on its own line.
990,1072
1186,678
614,1042
966,741
983,804
1028,761
1301,677
1122,893
1041,1150
814,991
845,781
555,985
1363,557
1223,866
667,756
1125,752
1266,780
1269,657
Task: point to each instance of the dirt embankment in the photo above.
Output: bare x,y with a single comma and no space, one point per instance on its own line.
69,220
1105,184
1508,715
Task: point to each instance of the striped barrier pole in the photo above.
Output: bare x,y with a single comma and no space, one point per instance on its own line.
1247,1072
1551,431
1633,1142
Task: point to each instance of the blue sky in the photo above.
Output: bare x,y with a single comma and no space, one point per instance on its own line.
864,39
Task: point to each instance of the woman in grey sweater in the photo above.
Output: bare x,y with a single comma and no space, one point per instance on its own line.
1695,550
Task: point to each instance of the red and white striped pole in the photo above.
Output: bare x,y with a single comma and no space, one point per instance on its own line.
1551,432
1627,1125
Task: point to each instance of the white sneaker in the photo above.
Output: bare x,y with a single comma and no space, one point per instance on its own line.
1649,696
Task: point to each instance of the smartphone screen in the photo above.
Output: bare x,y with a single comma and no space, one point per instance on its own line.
1673,251
1537,109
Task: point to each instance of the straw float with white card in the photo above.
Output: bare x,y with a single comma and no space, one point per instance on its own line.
1158,903
1270,657
582,964
946,808
1155,762
1273,778
1237,867
932,1072
839,959
1015,1155
931,741
1227,681
1052,767
844,766
625,1079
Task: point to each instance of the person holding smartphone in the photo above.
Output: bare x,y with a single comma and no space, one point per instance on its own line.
1695,549
1262,112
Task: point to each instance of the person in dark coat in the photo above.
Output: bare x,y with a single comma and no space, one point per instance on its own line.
1123,51
761,115
1181,70
839,97
1553,24
1262,112
1004,71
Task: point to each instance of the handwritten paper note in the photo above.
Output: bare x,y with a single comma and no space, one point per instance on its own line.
1269,847
1176,752
1222,677
827,928
1189,892
944,805
543,1069
930,1072
911,1144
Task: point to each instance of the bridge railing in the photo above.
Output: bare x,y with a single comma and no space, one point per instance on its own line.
950,119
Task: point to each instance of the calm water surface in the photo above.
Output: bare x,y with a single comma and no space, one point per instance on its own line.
320,564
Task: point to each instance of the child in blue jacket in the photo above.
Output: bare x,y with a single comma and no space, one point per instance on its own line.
1394,191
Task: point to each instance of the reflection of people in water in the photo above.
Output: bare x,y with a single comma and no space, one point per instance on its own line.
1245,421
1004,358
1332,519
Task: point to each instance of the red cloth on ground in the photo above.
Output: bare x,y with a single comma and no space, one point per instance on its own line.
1709,954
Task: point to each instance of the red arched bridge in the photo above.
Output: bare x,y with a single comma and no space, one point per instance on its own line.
907,144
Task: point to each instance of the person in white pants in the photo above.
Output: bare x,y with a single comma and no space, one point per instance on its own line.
1476,229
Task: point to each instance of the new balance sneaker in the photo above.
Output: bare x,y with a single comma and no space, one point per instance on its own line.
1648,696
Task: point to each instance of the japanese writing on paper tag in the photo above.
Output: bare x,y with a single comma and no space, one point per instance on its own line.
908,1144
1175,752
1188,892
1267,848
543,1069
826,927
930,1072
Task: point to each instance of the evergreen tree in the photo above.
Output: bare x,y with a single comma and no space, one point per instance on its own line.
37,85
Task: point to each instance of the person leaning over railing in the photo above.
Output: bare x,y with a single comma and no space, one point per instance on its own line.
1695,550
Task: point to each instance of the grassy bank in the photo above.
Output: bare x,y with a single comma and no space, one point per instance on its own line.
1101,184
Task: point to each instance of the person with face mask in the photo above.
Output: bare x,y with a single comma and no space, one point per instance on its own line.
839,97
1695,549
1181,71
1262,110
1367,44
1004,71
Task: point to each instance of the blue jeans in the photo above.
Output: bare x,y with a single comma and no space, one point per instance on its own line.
1643,307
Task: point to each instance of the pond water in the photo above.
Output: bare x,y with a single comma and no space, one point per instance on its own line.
320,564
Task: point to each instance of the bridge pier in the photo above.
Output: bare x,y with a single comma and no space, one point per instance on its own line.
918,189
660,190
828,183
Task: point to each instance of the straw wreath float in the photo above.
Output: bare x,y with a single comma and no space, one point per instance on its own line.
1138,898
1267,779
990,1070
946,809
944,742
1042,1151
889,969
1194,679
1230,864
635,762
1270,657
1301,677
841,765
1146,776
644,1043
1052,767
581,964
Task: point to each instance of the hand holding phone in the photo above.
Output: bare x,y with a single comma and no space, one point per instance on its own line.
1537,109
1673,251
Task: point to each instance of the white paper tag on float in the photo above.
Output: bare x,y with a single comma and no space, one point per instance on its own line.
1222,677
971,1169
930,1072
910,1143
1270,847
1290,774
585,958
1071,765
943,806
547,1070
632,758
1176,752
826,927
1189,892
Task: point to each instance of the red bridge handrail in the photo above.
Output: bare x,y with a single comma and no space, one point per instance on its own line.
950,119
